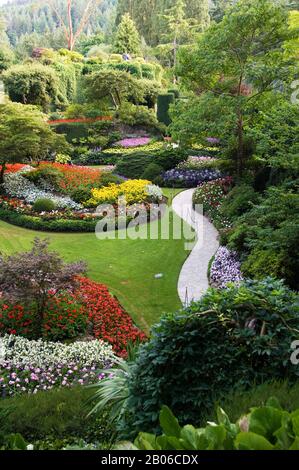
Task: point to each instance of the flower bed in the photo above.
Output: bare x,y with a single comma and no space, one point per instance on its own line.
32,366
69,316
133,142
13,168
189,178
151,147
110,322
225,268
134,191
73,176
17,186
211,196
197,163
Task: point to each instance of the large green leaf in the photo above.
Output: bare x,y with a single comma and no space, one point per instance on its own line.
216,435
265,421
146,441
169,423
252,441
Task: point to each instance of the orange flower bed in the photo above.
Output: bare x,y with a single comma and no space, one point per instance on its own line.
13,168
75,176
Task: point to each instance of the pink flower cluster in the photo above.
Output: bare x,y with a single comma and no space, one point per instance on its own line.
133,142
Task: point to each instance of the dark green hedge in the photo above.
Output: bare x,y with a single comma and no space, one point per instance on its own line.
72,130
163,103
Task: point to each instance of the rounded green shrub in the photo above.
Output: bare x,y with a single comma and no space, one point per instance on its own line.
44,205
152,171
232,339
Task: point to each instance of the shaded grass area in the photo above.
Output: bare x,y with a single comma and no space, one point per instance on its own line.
128,266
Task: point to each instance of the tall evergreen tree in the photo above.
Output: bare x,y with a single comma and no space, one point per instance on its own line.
148,15
127,39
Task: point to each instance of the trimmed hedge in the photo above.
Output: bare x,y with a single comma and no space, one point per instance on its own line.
164,101
60,225
72,130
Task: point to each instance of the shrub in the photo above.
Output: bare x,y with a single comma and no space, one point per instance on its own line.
45,175
81,194
133,166
164,102
43,205
238,201
152,171
232,338
138,116
57,414
265,428
268,235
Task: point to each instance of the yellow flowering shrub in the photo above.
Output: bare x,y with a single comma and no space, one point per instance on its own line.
135,191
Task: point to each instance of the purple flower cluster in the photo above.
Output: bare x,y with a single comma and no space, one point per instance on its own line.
213,140
225,268
133,142
17,379
190,178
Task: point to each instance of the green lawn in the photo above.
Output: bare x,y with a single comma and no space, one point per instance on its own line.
127,266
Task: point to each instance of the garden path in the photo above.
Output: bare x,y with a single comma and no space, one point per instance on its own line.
193,279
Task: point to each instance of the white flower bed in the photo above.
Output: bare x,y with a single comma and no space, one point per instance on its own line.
21,351
15,185
154,191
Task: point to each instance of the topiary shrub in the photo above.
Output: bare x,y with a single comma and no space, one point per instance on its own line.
43,205
231,339
164,101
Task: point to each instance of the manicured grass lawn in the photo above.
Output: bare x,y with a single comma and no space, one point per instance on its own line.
127,266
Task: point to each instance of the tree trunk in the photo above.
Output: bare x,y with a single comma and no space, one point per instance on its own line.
240,152
70,26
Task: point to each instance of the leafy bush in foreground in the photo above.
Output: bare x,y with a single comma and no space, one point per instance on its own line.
266,428
231,339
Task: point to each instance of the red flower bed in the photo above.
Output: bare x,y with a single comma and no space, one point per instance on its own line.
81,120
67,317
74,176
13,168
110,321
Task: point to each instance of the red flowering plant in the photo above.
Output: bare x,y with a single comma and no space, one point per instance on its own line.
73,176
64,318
109,320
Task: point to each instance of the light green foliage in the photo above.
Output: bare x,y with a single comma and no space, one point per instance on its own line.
149,16
24,134
127,39
233,64
31,84
115,84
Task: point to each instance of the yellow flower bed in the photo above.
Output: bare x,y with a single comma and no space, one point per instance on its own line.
133,190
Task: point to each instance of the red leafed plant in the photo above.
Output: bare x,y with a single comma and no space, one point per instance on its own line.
110,321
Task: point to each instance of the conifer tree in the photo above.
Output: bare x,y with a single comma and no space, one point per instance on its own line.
127,39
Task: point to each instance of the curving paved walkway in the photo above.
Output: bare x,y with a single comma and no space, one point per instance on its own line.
193,280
